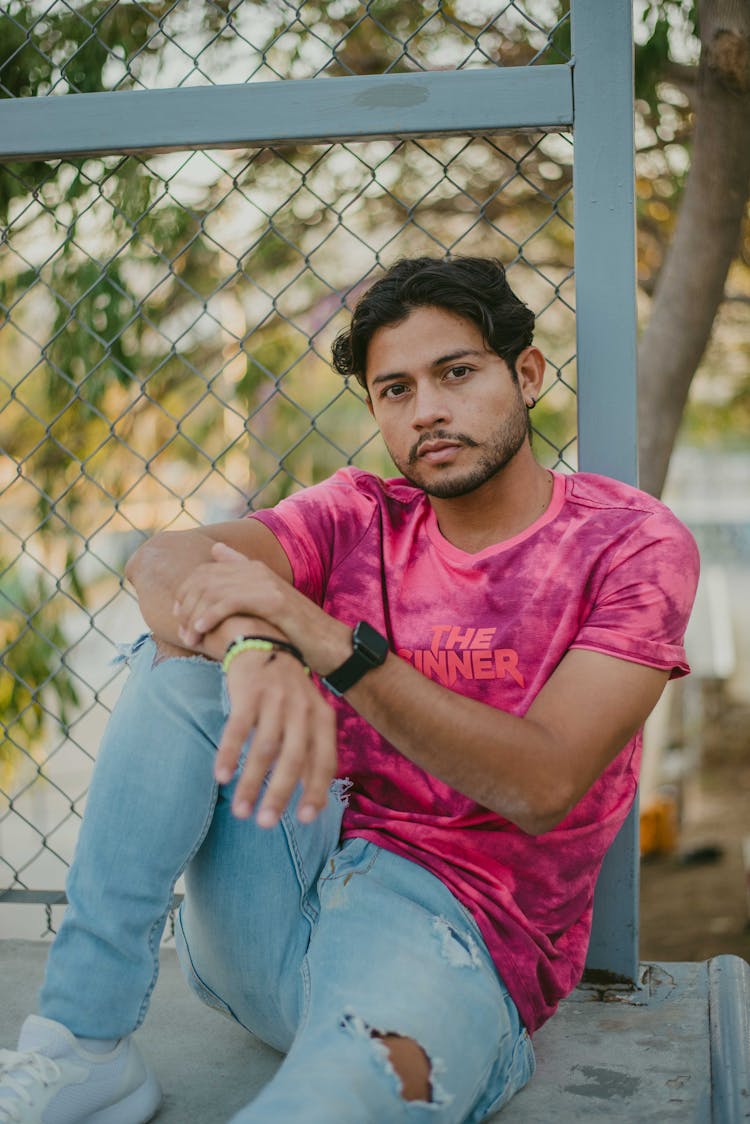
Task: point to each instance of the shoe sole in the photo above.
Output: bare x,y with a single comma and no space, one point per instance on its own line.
139,1107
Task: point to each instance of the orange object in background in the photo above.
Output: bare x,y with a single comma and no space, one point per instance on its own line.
659,826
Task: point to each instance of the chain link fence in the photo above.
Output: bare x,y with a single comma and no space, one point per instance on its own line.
167,325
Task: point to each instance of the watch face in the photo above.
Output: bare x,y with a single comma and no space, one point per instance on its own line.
370,651
370,643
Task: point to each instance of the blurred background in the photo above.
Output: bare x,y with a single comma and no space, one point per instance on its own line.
166,326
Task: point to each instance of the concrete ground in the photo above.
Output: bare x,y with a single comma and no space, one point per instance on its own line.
604,1057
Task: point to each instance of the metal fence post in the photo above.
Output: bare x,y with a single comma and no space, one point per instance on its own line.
606,346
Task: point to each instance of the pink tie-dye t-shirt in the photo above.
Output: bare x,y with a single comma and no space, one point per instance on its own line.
606,568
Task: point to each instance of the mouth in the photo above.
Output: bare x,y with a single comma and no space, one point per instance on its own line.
437,452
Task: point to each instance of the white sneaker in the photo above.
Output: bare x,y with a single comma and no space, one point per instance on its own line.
50,1079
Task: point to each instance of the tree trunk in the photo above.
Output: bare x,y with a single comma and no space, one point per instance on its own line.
691,284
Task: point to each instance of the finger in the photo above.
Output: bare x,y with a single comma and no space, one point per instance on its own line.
215,608
184,611
194,621
236,731
288,769
225,553
204,582
189,637
188,591
186,630
210,602
262,753
322,766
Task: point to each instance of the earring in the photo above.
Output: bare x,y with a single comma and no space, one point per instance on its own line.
531,403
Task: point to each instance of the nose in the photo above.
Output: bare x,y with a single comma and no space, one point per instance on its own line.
430,408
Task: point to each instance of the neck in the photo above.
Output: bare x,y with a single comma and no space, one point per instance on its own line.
500,509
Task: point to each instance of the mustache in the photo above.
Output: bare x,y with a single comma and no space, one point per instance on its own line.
440,435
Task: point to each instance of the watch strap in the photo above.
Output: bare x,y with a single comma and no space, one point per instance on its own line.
370,651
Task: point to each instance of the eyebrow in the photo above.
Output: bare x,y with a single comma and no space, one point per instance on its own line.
463,353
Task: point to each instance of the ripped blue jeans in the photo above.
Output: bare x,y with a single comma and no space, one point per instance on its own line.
316,946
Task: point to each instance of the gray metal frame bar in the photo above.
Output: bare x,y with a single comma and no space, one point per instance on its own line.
265,113
729,1021
604,199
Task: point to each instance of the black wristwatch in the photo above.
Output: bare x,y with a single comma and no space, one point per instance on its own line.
370,650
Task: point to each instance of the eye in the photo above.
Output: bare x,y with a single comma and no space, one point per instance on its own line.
395,390
458,372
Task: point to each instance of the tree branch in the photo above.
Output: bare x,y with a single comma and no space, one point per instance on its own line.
682,75
690,287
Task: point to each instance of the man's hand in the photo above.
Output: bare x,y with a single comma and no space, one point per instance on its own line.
270,694
160,566
295,736
231,585
227,585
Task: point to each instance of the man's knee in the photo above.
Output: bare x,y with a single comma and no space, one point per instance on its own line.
411,1065
167,651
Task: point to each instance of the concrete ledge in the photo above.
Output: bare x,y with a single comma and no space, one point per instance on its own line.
607,1055
208,1067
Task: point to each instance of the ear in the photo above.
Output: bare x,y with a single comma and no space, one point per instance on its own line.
368,403
530,367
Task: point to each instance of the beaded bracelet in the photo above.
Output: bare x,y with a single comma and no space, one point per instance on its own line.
261,644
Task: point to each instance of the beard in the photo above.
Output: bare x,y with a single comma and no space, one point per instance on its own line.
498,451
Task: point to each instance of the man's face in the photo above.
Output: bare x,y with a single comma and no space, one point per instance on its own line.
450,412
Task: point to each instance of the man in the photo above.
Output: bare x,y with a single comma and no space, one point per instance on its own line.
394,882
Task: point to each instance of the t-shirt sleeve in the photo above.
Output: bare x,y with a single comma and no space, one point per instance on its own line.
319,526
641,608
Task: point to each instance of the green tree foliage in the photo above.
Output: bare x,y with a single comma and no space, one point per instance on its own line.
34,644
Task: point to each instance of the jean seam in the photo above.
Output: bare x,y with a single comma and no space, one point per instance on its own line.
483,1080
305,967
306,994
523,1040
204,992
195,978
306,908
348,871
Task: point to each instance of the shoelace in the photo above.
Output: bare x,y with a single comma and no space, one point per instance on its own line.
19,1073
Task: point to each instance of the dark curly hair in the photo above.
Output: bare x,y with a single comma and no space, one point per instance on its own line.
472,287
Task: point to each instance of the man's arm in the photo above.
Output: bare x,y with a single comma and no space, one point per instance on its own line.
530,770
271,698
162,564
